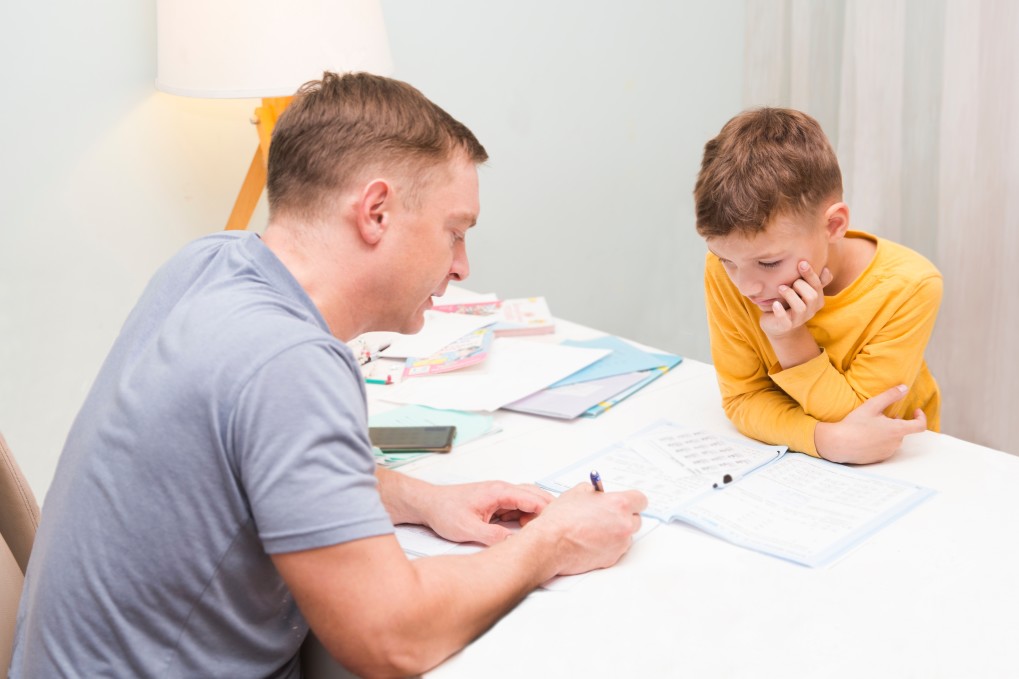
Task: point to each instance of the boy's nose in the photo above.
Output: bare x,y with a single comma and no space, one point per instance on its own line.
749,286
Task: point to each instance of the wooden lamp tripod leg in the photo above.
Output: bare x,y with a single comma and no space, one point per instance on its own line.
251,190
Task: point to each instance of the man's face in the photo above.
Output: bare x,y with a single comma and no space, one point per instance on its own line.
430,246
758,264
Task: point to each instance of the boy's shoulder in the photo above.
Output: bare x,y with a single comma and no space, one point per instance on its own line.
898,260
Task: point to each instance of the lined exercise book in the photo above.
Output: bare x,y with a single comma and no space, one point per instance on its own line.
792,506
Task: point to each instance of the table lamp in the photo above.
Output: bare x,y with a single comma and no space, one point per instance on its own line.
266,49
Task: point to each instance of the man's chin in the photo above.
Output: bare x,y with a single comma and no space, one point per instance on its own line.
414,325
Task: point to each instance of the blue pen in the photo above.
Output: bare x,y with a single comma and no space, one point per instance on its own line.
596,482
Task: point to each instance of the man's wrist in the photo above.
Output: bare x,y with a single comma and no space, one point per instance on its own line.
544,542
406,499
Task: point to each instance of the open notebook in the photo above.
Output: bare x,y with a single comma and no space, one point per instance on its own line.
792,506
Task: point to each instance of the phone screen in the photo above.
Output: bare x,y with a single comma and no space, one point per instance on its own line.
435,439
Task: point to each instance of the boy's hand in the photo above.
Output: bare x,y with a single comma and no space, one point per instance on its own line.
803,299
867,435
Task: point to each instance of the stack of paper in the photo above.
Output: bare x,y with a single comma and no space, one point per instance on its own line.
599,386
515,368
511,317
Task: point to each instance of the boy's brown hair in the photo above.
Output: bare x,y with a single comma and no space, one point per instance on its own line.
765,162
343,125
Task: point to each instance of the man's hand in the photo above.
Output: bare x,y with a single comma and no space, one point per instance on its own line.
803,299
866,435
472,512
592,529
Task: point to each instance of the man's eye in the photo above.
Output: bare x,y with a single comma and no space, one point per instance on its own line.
770,265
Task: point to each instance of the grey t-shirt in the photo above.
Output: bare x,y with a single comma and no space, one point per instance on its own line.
226,424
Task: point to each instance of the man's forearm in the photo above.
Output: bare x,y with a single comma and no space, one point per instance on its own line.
404,497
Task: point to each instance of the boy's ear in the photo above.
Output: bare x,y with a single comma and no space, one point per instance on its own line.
372,216
836,219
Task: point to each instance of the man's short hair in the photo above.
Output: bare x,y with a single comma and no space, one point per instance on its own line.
344,125
764,163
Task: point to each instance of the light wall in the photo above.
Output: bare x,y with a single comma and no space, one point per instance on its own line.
594,114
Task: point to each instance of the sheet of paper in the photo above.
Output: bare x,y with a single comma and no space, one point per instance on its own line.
440,330
574,400
670,463
421,541
515,368
803,509
625,358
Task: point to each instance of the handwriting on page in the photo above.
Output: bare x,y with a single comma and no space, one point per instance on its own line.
669,464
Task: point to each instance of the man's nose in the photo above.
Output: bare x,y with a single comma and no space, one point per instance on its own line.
461,268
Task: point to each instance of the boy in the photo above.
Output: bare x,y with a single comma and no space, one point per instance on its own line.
817,332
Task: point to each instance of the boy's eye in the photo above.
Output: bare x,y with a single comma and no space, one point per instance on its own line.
770,265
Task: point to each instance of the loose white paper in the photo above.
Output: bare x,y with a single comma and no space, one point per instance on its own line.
515,368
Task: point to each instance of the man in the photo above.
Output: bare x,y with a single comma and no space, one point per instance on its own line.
217,493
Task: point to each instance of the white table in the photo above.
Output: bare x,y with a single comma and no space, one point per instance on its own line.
934,594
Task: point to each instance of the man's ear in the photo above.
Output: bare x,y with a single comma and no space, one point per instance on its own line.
836,219
373,209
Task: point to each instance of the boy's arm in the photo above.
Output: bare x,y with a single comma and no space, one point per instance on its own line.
894,355
751,400
760,409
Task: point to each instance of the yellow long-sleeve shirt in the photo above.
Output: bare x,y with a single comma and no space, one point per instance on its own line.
872,337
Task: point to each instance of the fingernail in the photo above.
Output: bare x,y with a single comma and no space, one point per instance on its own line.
783,288
804,266
903,388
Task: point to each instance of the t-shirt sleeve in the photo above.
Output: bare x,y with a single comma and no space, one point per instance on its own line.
893,355
755,405
300,447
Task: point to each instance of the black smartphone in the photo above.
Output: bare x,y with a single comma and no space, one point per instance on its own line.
437,439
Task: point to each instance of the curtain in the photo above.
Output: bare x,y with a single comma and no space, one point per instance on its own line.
920,99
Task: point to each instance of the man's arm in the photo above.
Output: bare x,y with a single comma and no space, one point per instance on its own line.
380,614
469,512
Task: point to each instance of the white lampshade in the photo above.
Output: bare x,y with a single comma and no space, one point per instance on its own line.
265,48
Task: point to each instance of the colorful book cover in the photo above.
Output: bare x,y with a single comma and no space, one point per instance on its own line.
523,316
468,350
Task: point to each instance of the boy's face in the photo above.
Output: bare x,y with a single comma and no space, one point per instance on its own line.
758,264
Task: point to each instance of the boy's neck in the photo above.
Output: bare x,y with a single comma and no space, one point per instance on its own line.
847,258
